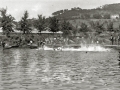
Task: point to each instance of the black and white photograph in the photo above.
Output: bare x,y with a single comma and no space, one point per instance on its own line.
59,44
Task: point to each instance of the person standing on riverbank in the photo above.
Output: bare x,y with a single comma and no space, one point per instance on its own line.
112,39
3,44
38,43
31,42
118,39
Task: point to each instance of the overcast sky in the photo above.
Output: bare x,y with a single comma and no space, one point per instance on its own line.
46,7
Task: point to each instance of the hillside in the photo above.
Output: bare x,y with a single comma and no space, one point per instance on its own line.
102,12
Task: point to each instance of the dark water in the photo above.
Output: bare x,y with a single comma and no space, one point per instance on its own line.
50,70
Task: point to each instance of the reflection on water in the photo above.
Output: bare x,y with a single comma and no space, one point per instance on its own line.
22,69
119,59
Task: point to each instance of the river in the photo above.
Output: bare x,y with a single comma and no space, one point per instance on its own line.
31,69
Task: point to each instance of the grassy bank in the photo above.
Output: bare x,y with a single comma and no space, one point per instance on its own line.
54,39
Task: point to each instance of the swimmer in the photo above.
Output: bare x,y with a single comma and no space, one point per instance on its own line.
58,49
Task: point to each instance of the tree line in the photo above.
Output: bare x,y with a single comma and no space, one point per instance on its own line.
26,25
99,27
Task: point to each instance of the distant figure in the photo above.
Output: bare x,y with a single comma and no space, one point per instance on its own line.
31,42
118,39
112,39
92,42
97,42
115,40
119,60
58,48
119,64
20,41
119,56
38,42
41,43
3,44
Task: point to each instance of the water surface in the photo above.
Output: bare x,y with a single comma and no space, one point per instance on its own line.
30,69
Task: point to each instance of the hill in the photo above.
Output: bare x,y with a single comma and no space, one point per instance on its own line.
102,12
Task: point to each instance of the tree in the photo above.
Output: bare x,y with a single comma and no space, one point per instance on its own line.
97,16
110,27
40,23
6,22
24,24
87,16
107,16
97,26
54,24
65,28
84,28
93,26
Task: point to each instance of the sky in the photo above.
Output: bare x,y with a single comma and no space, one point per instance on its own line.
46,7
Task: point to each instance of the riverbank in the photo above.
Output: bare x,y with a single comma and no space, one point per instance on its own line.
89,38
70,47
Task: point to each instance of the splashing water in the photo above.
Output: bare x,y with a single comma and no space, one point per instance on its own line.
82,48
89,48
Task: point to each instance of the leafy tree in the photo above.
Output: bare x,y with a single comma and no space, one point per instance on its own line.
84,28
24,24
107,16
110,27
54,24
40,23
65,28
6,22
97,16
93,26
87,16
97,26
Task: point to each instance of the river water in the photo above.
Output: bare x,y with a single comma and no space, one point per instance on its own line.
31,69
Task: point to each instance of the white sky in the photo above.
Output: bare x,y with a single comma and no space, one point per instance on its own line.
46,7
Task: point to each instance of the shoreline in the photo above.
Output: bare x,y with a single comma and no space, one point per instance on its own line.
75,46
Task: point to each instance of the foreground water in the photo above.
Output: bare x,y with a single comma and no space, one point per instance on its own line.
30,69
